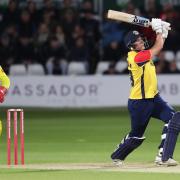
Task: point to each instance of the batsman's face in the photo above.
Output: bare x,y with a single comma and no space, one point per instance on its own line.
139,44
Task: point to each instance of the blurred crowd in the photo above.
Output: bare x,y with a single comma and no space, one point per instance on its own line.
55,34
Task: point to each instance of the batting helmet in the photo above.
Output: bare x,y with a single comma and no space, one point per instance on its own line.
131,37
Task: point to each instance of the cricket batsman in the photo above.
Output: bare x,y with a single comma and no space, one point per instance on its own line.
145,101
4,86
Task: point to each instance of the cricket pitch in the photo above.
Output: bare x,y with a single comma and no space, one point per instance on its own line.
128,167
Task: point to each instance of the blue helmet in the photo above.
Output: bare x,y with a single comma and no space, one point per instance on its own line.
131,38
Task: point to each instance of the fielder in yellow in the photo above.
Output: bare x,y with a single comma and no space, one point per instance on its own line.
4,86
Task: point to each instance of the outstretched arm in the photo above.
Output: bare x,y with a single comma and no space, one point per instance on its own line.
161,28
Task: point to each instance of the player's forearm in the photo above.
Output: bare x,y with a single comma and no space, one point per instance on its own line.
158,45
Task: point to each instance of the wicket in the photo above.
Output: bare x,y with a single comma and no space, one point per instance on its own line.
14,113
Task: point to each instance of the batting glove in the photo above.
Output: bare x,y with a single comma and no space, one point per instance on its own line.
164,31
167,25
165,28
156,25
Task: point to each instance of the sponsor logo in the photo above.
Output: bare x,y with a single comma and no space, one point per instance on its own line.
140,21
63,90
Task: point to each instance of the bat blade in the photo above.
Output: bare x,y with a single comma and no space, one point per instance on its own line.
128,18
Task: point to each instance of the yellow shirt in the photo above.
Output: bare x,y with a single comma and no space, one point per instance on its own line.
143,78
5,82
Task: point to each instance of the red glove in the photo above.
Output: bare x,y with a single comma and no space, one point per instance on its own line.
3,92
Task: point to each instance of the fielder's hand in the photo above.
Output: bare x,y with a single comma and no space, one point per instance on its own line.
3,92
156,25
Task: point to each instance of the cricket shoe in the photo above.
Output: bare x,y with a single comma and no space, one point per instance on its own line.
117,162
159,156
158,159
169,162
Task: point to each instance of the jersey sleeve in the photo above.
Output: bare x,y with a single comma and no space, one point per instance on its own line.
4,79
142,57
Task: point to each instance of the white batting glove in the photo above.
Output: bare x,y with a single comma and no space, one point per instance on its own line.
156,25
166,24
164,31
165,28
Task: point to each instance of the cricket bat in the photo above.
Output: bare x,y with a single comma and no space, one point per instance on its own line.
130,18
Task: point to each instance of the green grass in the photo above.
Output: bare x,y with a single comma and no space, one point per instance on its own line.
85,175
71,136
